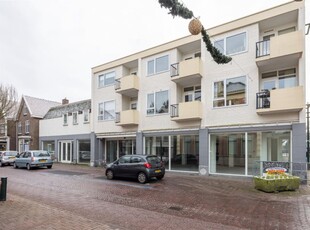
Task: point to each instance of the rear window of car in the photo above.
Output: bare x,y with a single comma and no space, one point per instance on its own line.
9,153
41,154
153,159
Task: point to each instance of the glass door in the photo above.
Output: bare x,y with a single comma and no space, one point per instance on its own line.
66,151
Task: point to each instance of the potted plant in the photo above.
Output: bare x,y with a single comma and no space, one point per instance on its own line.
275,180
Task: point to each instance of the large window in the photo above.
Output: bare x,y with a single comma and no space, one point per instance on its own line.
19,128
106,79
84,151
158,65
231,91
158,102
243,153
27,126
232,45
279,79
106,110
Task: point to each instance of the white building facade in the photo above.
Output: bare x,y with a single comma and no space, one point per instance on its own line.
174,101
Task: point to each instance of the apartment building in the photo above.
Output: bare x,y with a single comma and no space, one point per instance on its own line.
65,132
174,101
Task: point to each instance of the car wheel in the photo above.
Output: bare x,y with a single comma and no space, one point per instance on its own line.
159,177
28,166
142,178
49,167
15,166
110,174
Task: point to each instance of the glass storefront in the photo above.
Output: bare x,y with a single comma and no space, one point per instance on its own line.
181,152
50,147
84,151
240,153
117,148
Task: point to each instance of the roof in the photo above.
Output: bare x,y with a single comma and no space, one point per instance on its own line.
59,111
38,107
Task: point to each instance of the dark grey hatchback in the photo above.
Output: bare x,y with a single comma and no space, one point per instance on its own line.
141,167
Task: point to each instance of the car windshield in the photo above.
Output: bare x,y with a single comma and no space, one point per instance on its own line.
10,153
41,154
153,159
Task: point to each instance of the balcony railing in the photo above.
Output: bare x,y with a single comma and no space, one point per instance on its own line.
117,84
263,99
262,48
174,110
174,70
117,117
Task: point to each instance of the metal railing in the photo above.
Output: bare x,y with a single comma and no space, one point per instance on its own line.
117,117
263,99
174,110
174,70
117,84
262,48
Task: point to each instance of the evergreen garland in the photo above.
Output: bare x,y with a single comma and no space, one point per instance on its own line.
178,9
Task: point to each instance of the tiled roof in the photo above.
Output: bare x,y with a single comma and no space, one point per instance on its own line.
58,111
38,107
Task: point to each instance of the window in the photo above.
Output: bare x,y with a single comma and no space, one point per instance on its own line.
19,128
133,105
106,111
2,128
65,119
158,65
106,79
287,30
232,45
86,115
234,92
157,102
27,126
75,118
192,93
279,79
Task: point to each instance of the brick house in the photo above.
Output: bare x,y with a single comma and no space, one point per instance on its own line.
31,110
8,131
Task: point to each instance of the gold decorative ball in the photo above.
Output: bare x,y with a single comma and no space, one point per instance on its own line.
195,26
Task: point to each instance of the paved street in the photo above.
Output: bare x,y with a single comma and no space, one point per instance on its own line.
80,197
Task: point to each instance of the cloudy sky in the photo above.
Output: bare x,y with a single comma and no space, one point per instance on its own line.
48,47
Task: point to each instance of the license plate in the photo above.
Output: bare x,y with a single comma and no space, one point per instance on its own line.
11,157
158,171
42,160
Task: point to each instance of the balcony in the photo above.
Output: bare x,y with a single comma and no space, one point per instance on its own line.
280,100
127,118
280,49
186,111
188,72
128,85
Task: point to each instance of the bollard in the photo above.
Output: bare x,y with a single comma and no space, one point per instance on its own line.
3,188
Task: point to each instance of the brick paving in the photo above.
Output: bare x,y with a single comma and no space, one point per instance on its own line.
79,197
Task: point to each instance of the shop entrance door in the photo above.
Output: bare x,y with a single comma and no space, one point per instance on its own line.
66,151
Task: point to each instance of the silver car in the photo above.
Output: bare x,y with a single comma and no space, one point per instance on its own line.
7,157
33,159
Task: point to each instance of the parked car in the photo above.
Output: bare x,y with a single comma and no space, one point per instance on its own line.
33,158
141,167
7,157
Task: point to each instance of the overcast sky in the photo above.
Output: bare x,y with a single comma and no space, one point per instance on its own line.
48,47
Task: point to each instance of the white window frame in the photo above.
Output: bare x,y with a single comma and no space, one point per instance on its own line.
65,119
86,115
192,93
224,48
19,128
277,77
27,126
225,93
75,118
101,114
154,63
154,98
102,79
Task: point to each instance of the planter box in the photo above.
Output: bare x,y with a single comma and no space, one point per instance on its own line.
276,184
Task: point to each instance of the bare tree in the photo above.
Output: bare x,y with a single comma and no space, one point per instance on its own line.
8,100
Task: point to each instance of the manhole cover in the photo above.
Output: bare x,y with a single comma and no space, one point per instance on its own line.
68,173
175,208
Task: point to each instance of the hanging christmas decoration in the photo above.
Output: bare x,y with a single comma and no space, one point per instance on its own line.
195,27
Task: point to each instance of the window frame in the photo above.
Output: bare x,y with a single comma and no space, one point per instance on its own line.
65,119
102,83
75,118
224,98
19,128
154,103
102,116
153,64
27,126
276,78
196,89
223,49
86,115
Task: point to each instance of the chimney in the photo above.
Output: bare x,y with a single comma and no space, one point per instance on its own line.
65,101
